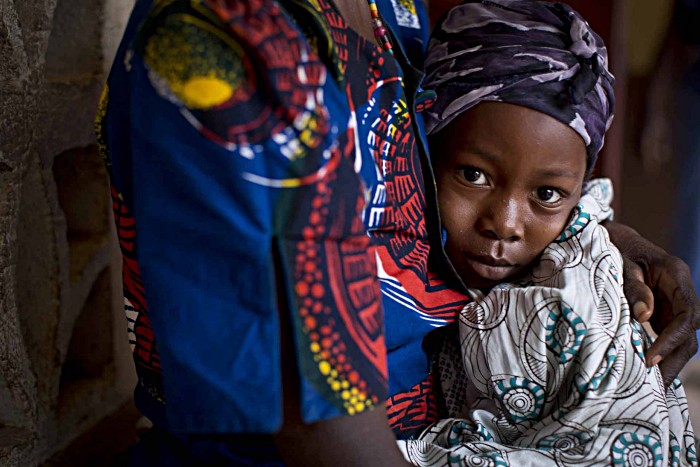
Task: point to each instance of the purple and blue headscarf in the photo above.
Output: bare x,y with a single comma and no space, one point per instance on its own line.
540,55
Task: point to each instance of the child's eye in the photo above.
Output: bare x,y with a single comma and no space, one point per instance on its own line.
549,195
474,176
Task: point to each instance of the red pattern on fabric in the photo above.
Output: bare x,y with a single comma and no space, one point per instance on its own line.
145,350
292,70
404,253
357,284
338,299
414,409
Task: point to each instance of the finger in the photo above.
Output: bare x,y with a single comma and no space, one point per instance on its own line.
676,284
679,332
639,295
672,365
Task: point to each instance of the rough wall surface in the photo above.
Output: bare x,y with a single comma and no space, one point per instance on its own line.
64,359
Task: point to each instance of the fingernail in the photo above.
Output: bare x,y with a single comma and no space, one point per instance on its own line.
641,310
655,361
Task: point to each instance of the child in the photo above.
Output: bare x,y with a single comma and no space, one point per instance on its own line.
550,369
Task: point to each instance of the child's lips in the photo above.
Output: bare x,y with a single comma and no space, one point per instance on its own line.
491,268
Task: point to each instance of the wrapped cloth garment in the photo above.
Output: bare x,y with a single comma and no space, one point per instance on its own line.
550,370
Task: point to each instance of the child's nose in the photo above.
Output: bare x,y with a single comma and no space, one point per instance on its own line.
504,221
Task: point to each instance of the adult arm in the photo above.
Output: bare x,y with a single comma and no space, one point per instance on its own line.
660,290
360,440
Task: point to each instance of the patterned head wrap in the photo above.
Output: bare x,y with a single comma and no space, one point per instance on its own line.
540,55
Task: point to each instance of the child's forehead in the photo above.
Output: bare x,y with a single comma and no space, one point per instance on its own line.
502,133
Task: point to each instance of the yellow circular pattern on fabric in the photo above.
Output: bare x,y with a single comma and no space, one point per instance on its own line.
202,92
199,64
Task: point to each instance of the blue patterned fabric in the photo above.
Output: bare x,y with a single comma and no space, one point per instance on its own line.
258,148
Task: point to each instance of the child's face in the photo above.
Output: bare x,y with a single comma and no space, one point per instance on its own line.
508,178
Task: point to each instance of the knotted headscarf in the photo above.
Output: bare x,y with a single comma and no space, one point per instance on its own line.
540,55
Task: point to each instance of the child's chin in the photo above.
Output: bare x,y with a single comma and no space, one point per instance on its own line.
482,275
482,284
473,281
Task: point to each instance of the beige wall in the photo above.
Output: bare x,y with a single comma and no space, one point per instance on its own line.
64,360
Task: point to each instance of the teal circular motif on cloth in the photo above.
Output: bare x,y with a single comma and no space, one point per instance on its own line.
491,459
637,342
483,433
464,432
522,399
601,373
675,457
564,332
564,442
633,450
690,454
579,220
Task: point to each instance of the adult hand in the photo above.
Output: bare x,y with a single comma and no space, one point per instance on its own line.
660,290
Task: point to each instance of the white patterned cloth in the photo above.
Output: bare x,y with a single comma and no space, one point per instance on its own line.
550,370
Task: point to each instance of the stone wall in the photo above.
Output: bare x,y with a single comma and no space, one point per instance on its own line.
64,358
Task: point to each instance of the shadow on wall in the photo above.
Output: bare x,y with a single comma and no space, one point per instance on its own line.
64,356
